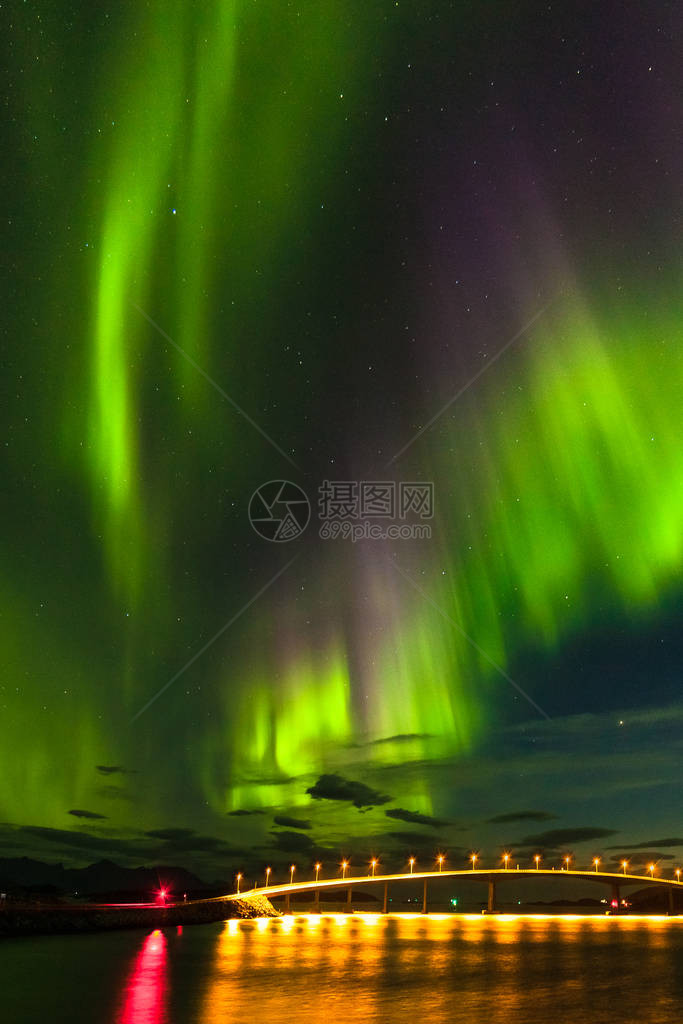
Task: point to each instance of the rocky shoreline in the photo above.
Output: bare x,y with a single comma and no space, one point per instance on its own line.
72,919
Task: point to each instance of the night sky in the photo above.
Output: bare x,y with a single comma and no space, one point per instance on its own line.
421,242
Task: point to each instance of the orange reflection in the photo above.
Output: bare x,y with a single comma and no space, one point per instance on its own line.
335,967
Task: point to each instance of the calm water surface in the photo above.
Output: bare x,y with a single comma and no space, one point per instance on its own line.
360,968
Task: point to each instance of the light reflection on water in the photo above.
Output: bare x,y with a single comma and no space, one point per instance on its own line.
499,969
144,997
507,969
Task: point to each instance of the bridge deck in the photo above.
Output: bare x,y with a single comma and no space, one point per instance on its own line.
478,874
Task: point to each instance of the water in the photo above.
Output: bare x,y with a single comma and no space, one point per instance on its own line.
360,968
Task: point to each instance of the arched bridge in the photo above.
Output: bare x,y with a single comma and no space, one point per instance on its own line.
491,876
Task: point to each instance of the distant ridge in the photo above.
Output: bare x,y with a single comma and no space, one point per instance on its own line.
104,876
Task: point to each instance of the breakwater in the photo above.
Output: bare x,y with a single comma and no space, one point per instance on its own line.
17,919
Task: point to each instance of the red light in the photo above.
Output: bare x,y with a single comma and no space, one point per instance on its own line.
163,894
615,903
144,997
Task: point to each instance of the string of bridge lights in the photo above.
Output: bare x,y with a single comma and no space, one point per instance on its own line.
473,859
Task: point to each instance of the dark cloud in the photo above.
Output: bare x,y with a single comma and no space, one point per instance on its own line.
186,840
563,836
283,819
170,833
414,817
241,812
9,844
105,845
648,842
334,787
644,856
176,842
89,814
293,842
401,737
197,844
504,819
113,769
274,778
415,840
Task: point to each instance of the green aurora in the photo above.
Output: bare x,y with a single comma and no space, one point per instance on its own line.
211,143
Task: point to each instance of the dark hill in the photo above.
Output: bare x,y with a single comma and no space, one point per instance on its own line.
24,873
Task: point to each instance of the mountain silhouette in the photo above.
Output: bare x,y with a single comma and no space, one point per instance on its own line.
104,876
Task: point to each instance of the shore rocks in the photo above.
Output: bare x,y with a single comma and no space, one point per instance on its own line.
30,920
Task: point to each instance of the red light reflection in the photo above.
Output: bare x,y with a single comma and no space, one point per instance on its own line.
144,1001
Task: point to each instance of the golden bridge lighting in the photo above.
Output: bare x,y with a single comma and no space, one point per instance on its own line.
672,875
678,874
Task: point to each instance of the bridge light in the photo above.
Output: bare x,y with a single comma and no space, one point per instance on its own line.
292,869
566,862
506,858
267,877
411,861
317,871
473,858
239,879
678,874
537,858
596,861
373,864
440,860
344,866
624,865
651,869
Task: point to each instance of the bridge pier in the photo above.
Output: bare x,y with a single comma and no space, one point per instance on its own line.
286,903
316,902
386,896
615,893
672,909
424,897
491,905
348,900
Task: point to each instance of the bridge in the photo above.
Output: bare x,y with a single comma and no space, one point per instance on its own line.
489,876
